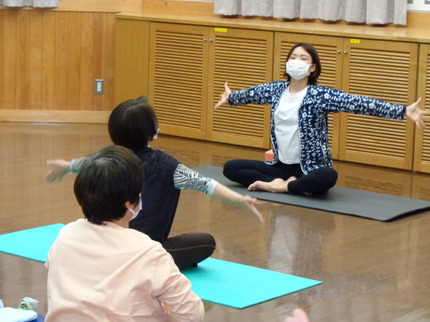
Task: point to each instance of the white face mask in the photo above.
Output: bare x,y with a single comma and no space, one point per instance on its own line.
155,136
297,69
135,213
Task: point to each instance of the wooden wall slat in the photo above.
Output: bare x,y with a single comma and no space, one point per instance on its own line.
51,59
61,52
48,60
74,60
22,53
87,59
108,64
104,53
131,6
35,53
110,6
99,27
131,76
9,59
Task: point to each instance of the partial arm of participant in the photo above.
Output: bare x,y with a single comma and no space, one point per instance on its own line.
187,179
60,168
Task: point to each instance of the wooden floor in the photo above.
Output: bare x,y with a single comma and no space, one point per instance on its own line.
372,271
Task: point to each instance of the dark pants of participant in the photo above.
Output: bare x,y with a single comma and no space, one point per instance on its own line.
189,249
247,172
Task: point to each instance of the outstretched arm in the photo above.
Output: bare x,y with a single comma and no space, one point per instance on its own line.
417,115
59,169
224,96
185,178
247,203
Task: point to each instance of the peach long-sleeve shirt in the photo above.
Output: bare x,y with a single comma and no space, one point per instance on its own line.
110,273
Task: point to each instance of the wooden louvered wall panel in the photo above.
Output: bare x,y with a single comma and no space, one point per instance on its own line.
426,141
178,59
381,73
242,59
233,64
330,61
422,137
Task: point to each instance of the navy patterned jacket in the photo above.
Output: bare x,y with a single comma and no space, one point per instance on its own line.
313,123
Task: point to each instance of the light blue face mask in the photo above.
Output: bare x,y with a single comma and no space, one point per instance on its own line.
135,213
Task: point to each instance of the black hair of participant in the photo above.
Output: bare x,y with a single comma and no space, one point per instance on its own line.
107,181
133,124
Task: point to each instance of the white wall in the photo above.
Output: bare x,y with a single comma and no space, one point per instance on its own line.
419,5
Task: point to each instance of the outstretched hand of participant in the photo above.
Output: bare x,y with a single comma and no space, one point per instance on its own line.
59,168
224,96
417,115
249,204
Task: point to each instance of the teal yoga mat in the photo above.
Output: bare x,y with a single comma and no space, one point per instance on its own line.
31,243
370,205
214,280
240,286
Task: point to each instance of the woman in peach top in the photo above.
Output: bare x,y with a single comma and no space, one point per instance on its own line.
99,269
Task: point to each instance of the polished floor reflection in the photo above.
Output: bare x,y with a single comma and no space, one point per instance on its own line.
371,271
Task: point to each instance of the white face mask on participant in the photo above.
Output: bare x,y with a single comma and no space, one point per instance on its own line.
135,213
297,69
156,134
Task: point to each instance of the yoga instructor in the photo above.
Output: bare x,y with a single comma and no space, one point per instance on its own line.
302,162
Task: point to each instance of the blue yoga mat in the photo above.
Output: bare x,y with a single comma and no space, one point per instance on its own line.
214,280
31,243
240,286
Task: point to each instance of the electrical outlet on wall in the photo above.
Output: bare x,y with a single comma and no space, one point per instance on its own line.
99,85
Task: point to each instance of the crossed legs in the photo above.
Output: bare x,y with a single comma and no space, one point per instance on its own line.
190,248
257,175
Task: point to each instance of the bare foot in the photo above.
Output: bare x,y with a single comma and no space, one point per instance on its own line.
298,316
276,185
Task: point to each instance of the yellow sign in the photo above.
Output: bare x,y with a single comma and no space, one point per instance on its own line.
354,41
220,29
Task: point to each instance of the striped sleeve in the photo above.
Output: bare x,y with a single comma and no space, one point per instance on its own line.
185,178
76,164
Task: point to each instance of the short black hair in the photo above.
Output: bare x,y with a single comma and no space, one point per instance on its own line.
313,77
133,124
106,181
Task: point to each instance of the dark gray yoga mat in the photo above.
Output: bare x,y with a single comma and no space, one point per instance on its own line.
346,201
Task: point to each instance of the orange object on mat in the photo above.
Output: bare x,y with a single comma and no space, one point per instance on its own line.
268,155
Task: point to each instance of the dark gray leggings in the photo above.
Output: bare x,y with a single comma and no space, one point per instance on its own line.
246,172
